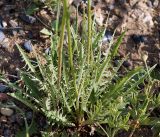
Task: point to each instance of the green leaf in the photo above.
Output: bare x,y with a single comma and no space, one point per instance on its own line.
33,129
35,92
124,81
26,59
117,44
32,9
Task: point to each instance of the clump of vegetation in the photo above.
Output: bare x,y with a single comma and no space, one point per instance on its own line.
79,89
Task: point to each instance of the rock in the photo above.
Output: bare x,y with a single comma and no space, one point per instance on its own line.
12,119
27,18
111,7
2,37
1,3
76,2
29,115
7,132
47,51
99,17
3,119
3,97
122,2
148,20
133,2
3,88
149,4
5,43
127,64
155,3
6,111
28,46
13,24
138,38
107,37
30,34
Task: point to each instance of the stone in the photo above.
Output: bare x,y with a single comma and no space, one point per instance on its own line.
47,51
3,97
107,37
28,46
27,18
13,24
7,132
127,64
155,3
29,115
3,119
148,20
6,111
2,37
138,38
3,88
5,43
99,17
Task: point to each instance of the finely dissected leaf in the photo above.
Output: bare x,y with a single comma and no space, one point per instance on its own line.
35,92
101,69
56,116
118,86
117,44
25,100
32,130
27,61
97,39
140,79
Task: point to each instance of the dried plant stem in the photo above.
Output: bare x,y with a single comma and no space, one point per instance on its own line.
60,47
89,48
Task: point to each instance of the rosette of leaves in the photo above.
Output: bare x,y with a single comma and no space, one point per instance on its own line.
78,87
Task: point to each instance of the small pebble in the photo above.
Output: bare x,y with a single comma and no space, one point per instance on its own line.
29,115
27,18
5,43
13,24
127,64
28,46
155,3
3,88
6,111
7,132
47,51
30,34
138,39
149,4
107,37
12,119
3,119
3,97
122,2
2,37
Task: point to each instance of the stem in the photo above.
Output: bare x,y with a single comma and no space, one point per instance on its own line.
89,32
60,47
132,132
113,133
65,4
57,17
103,129
134,129
69,34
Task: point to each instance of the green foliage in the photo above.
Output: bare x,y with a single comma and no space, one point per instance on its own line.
82,88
